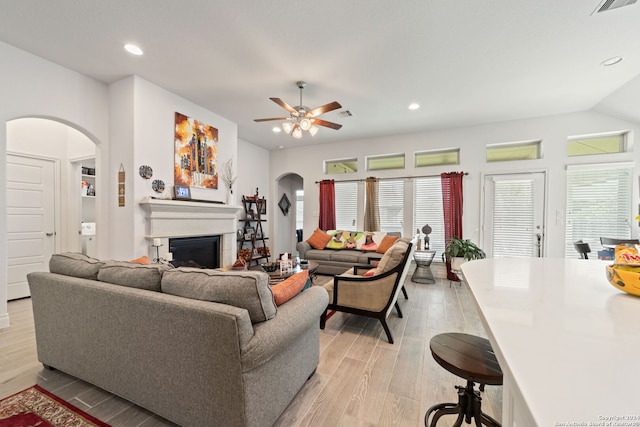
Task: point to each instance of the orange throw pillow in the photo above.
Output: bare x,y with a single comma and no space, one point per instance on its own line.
386,243
319,239
142,260
289,288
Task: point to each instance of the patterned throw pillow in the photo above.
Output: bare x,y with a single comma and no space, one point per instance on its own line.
368,244
319,239
336,241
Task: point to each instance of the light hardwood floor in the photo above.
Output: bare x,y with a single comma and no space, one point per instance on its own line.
361,380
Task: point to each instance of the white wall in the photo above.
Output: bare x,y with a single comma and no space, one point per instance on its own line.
142,129
252,168
33,87
307,161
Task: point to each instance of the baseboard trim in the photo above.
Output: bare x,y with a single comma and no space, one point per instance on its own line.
4,321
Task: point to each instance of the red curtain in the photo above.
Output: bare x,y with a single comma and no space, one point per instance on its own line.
327,219
452,207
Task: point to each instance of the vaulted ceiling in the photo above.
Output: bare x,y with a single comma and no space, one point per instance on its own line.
465,62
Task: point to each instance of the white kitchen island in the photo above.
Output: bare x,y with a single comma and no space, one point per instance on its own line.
567,341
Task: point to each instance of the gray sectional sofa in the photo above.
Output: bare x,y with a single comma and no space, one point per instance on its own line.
197,347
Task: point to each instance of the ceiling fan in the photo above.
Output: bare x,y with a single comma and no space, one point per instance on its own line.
302,118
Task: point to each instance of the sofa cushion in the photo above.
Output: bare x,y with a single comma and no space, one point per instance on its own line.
244,289
393,256
133,275
75,264
290,287
319,239
386,243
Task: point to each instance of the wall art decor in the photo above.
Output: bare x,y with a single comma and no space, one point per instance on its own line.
195,153
157,185
145,171
121,179
284,204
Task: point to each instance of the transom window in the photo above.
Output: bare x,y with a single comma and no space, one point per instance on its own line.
390,161
602,144
524,150
341,166
437,157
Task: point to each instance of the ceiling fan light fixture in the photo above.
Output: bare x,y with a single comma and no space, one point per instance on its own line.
287,127
296,132
313,130
305,124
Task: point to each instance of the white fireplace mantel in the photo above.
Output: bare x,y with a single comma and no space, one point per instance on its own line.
176,218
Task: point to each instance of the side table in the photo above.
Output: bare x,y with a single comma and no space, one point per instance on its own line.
423,273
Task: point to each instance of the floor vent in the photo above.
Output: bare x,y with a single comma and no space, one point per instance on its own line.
612,4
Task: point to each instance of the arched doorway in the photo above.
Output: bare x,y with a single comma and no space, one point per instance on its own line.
45,207
286,225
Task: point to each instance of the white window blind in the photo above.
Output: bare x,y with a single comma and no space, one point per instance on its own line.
427,209
391,204
513,218
598,205
346,196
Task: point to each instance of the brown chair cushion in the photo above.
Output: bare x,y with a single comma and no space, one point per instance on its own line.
393,256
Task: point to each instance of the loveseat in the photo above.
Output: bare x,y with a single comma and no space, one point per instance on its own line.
336,251
154,336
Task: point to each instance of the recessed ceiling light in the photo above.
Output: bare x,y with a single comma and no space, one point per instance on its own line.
611,61
281,146
414,106
133,49
276,129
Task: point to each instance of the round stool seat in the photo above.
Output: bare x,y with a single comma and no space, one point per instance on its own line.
472,358
467,356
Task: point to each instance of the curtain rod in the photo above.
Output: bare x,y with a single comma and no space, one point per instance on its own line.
397,177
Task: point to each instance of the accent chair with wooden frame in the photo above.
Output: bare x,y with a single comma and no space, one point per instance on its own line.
372,296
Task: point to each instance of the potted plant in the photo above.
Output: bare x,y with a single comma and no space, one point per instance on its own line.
458,251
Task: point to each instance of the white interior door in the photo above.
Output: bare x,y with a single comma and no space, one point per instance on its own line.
514,206
30,220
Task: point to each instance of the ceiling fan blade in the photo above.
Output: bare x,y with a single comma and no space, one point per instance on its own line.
324,108
284,105
270,119
326,123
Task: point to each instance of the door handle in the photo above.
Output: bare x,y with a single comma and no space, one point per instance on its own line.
49,234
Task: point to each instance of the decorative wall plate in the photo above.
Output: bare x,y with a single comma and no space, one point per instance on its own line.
157,185
145,171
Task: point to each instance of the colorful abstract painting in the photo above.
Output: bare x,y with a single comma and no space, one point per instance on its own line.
196,153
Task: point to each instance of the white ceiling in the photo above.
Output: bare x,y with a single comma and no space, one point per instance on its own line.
465,61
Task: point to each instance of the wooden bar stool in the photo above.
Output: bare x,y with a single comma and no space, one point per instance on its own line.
472,358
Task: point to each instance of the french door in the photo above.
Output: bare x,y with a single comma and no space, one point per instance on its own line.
514,206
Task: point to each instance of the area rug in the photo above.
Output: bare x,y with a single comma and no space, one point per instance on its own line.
36,407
